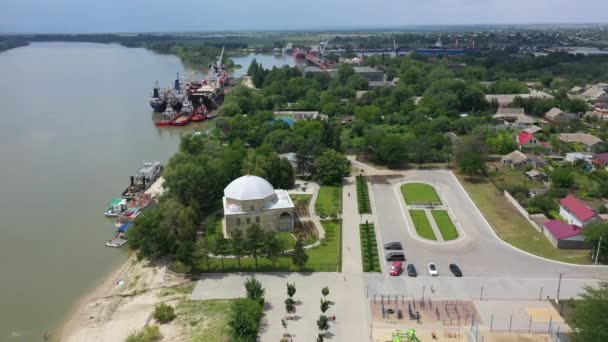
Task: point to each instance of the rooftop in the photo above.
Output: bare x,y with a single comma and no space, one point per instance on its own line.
247,188
561,230
577,207
583,138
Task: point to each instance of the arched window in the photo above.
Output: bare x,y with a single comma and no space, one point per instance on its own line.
248,220
257,219
238,221
285,222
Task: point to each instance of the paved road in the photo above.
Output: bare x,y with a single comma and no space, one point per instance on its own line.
480,254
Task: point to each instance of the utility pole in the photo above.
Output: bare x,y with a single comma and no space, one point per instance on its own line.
559,285
597,254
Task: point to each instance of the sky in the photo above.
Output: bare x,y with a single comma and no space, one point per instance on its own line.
84,16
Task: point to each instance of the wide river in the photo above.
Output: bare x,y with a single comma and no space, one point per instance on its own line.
76,125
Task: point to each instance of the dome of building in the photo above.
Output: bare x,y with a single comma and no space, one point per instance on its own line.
247,188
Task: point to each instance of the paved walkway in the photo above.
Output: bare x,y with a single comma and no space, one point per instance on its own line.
436,231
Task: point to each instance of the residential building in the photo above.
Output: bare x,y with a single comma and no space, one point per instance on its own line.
559,117
533,129
600,159
573,157
505,100
514,159
600,114
527,140
566,236
593,93
588,140
253,200
576,212
537,175
516,117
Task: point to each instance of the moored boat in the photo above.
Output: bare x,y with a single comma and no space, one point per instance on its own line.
181,120
147,174
116,207
167,118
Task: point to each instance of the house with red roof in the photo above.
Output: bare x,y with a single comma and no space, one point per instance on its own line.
576,212
563,235
528,140
600,159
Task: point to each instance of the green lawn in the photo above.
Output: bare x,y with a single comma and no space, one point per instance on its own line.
324,258
329,201
445,224
419,193
422,224
513,228
287,238
301,198
369,248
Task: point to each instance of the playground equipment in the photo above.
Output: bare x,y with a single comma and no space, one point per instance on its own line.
405,336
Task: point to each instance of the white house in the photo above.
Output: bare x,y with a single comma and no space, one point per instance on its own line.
575,212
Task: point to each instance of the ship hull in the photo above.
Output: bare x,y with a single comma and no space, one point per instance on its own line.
158,106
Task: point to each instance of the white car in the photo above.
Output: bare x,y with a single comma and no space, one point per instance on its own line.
433,270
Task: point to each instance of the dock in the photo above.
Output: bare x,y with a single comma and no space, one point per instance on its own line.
120,239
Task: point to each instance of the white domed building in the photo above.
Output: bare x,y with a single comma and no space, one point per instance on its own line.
252,199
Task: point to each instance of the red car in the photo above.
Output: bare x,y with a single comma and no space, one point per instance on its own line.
396,268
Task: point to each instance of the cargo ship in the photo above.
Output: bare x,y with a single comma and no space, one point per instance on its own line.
158,101
210,89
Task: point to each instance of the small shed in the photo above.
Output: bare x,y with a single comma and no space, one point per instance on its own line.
565,236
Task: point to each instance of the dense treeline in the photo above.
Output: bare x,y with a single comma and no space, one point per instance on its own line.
7,43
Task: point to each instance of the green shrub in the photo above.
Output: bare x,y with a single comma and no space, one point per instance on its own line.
164,313
146,334
245,320
178,267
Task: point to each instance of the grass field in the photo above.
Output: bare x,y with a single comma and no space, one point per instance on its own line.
419,193
422,224
513,228
301,198
329,201
287,238
445,224
369,248
205,320
324,258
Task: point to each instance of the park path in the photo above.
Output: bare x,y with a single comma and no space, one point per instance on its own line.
436,231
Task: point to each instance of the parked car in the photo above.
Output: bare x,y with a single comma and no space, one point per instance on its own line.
455,270
433,270
396,268
395,245
395,256
411,270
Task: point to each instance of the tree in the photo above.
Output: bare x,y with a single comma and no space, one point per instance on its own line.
221,248
291,289
591,314
593,233
290,305
273,247
324,305
237,245
471,155
325,291
320,338
203,250
331,167
164,313
562,177
244,320
323,323
254,241
254,289
299,256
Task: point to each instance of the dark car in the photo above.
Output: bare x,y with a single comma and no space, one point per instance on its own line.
411,270
396,246
395,256
455,270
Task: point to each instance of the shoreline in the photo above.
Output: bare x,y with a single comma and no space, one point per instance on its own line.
104,288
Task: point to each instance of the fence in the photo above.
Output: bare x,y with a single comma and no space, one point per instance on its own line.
229,265
522,210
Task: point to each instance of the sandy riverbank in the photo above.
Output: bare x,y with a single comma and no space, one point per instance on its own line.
122,303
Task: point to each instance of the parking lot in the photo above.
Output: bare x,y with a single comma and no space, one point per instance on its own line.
478,252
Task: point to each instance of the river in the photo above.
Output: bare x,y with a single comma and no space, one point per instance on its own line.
76,125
